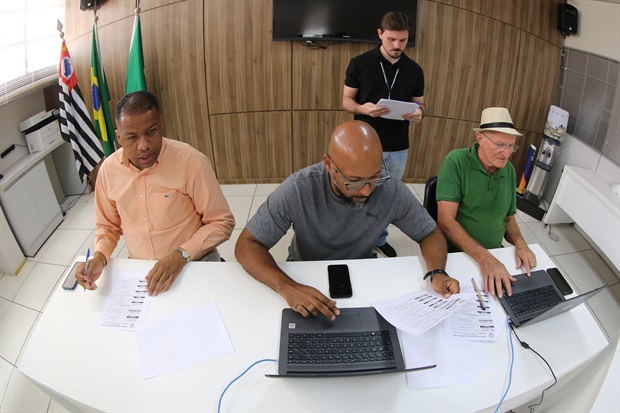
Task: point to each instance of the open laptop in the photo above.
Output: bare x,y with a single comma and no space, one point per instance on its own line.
538,298
358,342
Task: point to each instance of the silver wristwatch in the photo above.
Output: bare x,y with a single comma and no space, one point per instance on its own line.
184,254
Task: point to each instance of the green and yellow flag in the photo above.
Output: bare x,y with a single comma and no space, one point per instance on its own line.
101,98
135,69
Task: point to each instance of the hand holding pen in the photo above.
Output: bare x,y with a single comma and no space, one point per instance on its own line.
90,271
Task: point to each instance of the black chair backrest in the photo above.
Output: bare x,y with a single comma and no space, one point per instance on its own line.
430,202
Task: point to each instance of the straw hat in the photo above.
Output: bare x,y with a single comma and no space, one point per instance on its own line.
497,119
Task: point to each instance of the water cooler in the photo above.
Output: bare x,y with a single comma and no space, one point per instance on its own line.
555,132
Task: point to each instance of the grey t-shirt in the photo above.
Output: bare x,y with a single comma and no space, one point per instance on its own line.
329,228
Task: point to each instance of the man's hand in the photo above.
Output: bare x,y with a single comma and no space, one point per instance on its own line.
95,268
525,257
373,110
445,285
414,117
164,272
307,300
494,274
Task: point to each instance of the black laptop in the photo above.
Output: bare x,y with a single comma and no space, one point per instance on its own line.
358,342
538,298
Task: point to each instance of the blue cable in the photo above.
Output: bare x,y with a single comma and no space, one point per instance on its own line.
512,362
219,403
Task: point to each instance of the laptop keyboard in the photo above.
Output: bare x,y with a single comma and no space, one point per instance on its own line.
532,301
339,348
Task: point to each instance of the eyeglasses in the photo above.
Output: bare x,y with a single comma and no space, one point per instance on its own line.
502,146
356,186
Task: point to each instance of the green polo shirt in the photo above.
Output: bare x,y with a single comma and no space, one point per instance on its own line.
484,200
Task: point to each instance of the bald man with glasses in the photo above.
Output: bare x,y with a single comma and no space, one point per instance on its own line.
337,209
476,200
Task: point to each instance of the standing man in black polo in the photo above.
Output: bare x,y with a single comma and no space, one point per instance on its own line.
386,72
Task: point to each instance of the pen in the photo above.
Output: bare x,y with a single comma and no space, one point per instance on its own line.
86,266
478,293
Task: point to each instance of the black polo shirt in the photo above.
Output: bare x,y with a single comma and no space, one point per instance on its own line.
364,73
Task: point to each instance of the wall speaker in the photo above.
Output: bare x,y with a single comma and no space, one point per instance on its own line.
567,19
90,4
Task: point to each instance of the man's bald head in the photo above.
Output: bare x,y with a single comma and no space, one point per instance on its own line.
356,148
355,155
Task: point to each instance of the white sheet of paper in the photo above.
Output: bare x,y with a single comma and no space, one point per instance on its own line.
128,303
417,312
181,340
458,361
473,323
398,108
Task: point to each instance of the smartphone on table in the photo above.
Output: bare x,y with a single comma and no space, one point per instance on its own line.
560,281
339,281
71,282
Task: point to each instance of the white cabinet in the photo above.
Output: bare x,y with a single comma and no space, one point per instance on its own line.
585,198
31,208
11,257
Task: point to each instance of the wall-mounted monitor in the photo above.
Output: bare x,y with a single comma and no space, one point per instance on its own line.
337,20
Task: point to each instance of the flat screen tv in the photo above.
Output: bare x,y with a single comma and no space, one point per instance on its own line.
337,20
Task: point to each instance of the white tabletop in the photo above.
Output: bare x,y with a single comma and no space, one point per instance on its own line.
93,368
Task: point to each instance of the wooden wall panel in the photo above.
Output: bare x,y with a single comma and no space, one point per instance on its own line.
228,89
542,20
537,76
318,74
80,22
507,11
252,147
175,70
312,131
432,140
468,60
246,70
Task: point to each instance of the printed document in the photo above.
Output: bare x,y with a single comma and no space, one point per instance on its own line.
128,303
417,312
458,361
181,340
398,108
471,322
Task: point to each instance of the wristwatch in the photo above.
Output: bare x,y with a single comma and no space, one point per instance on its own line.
184,254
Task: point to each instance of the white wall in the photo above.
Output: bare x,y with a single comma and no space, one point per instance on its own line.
598,28
575,153
598,33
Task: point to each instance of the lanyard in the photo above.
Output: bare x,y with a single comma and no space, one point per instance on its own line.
389,87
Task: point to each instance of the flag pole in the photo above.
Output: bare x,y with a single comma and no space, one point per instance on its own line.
59,27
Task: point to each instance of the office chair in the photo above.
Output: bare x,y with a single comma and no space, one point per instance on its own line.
430,202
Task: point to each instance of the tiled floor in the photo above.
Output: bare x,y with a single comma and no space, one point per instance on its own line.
23,298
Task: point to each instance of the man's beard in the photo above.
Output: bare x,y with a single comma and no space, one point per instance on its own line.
356,205
395,53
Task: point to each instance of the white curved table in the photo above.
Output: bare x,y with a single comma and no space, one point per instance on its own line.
87,368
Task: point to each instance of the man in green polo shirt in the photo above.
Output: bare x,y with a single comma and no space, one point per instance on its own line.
476,200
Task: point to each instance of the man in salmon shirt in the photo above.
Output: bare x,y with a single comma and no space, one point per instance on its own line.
160,194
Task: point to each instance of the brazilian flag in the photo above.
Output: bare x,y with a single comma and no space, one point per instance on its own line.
101,98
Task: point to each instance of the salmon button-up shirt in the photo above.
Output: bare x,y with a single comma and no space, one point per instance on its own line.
175,203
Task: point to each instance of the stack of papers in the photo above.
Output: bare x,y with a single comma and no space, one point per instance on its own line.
397,108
